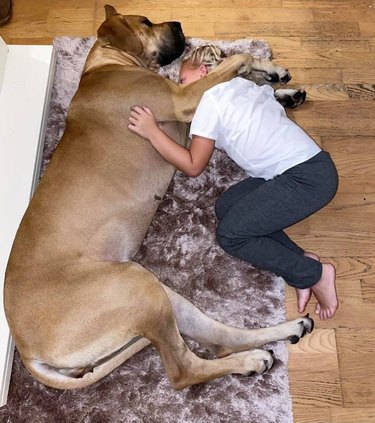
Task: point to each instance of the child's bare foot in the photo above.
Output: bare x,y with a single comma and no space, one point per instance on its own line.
325,293
304,295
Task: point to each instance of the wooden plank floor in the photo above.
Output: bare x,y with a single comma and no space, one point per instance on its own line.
329,47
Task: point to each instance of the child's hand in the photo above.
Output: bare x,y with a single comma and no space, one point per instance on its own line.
142,122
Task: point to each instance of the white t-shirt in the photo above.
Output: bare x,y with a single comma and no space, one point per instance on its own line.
247,122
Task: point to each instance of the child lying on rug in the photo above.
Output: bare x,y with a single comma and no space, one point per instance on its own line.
290,177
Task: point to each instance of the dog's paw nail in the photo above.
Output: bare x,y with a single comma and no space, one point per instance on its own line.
294,339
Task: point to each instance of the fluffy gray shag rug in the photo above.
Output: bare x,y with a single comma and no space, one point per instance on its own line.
180,248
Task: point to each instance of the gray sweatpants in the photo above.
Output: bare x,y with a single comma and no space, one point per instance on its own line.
253,213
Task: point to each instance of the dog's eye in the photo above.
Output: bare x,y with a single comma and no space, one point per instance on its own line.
147,22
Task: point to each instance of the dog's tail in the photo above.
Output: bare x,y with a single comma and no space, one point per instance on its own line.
80,377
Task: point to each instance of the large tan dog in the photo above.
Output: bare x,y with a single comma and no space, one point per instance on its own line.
76,305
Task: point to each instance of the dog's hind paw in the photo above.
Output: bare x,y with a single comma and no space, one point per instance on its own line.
255,362
306,325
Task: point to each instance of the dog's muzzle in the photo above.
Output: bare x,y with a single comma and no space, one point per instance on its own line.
174,44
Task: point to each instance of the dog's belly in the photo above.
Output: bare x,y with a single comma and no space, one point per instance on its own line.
94,202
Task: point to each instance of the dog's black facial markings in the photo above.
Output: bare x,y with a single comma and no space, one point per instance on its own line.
173,45
147,22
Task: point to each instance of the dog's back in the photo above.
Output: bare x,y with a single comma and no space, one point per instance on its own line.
95,201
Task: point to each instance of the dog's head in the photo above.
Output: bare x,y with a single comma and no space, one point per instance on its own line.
152,43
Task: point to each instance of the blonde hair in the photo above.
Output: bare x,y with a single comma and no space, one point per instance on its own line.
207,54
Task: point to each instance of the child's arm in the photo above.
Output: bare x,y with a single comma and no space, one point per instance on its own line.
191,161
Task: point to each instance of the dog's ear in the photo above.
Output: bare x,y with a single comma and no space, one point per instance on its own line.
109,11
119,34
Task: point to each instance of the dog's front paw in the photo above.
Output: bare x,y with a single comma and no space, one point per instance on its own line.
290,98
280,75
298,98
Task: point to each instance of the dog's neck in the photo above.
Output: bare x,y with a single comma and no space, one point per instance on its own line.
103,54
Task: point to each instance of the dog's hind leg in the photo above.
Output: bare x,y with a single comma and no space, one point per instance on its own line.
147,310
183,367
127,309
223,339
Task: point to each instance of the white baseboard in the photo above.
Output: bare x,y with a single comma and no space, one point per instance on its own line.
24,100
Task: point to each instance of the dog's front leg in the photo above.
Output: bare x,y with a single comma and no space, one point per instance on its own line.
270,72
187,97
